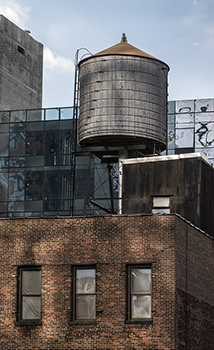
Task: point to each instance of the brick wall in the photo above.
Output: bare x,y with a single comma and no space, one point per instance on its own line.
110,242
194,287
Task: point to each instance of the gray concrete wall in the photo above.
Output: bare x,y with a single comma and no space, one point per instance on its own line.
21,68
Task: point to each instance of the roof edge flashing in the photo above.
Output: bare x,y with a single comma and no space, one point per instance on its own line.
169,157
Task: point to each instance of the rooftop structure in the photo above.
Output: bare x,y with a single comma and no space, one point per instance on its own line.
21,68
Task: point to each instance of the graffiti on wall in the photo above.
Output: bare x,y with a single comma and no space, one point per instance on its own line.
192,125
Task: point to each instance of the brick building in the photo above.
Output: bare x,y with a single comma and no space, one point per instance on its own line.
176,255
140,280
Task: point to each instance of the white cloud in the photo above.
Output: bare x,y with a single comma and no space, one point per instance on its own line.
54,61
15,12
58,82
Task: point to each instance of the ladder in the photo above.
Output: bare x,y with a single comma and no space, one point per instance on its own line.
74,132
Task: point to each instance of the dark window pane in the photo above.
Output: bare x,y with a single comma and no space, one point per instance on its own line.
4,145
31,308
33,206
16,162
34,185
3,207
52,125
65,160
31,282
35,126
35,143
4,117
64,184
17,144
3,186
37,114
51,185
4,128
85,307
15,207
17,127
17,116
51,206
16,185
64,205
34,161
65,142
51,143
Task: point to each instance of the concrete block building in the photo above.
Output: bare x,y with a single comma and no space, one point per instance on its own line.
21,68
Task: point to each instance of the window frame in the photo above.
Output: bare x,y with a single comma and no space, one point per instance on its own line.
75,294
21,295
130,293
161,209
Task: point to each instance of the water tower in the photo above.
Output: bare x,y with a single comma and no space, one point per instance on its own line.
123,103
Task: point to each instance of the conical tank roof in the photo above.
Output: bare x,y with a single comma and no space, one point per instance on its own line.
124,48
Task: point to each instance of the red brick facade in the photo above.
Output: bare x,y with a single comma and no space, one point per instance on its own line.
180,320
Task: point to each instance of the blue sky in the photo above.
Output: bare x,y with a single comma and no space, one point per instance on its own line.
180,33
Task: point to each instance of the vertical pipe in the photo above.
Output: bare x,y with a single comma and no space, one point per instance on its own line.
111,187
121,156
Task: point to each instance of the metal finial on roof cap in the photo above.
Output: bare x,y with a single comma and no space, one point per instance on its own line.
124,38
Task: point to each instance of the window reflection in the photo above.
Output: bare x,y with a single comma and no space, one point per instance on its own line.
35,143
17,144
16,185
34,185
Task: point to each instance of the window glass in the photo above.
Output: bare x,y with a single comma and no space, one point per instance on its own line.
31,308
85,289
34,185
161,201
85,281
35,115
85,307
35,143
30,294
16,185
51,184
4,117
17,116
66,113
161,205
17,144
141,306
141,281
140,293
184,137
31,282
52,114
4,145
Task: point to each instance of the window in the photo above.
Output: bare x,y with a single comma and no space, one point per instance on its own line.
21,50
84,293
139,293
29,294
161,205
